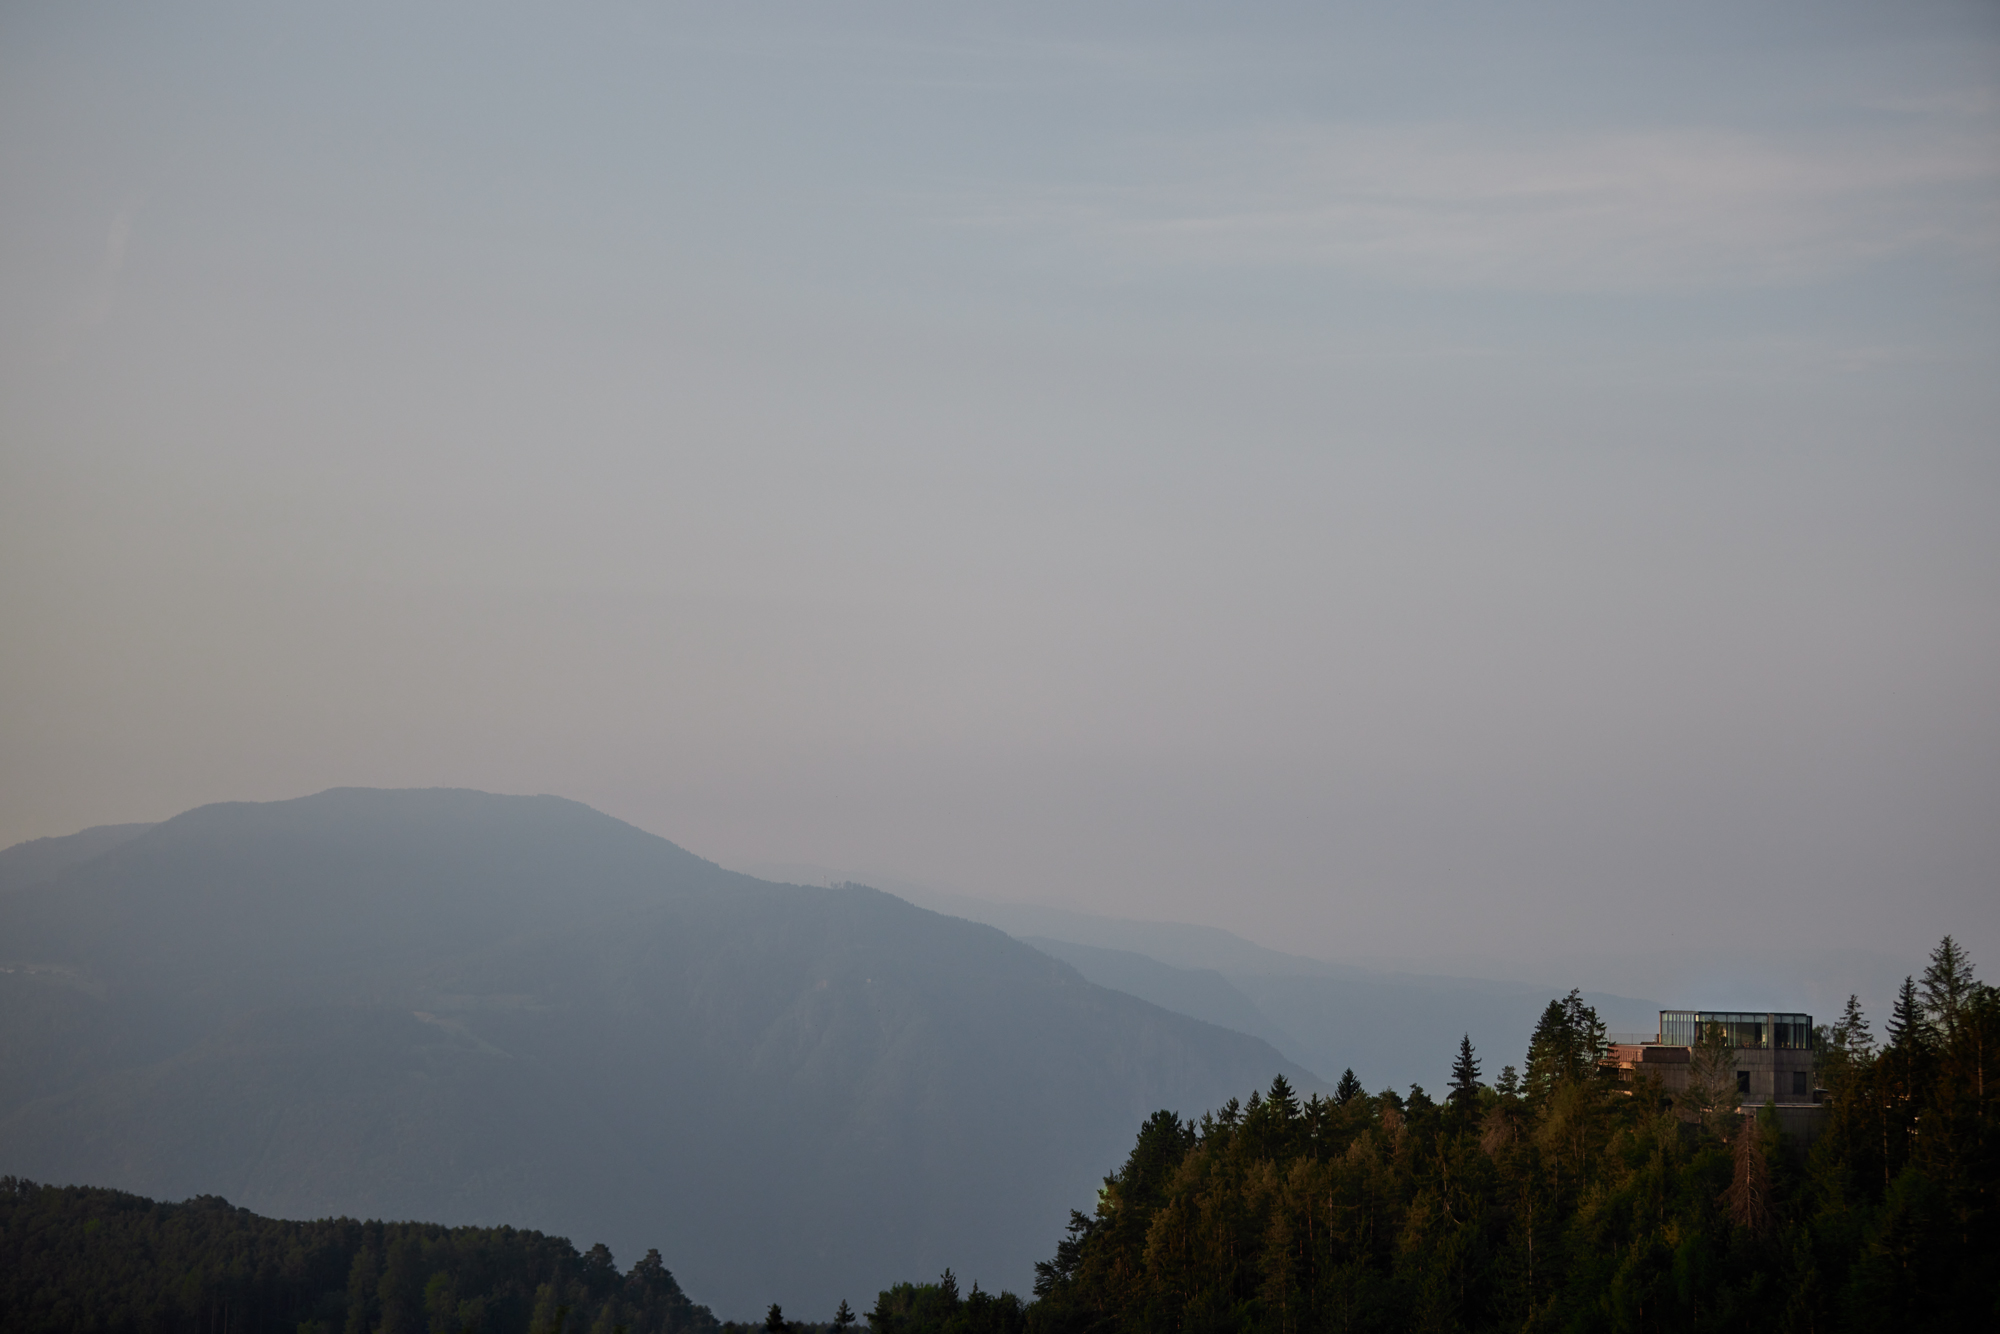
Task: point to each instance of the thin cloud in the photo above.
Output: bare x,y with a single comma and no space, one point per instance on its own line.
1464,205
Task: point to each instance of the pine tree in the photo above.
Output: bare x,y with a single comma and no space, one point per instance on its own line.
1568,1042
1711,1085
774,1320
1909,1027
1589,1029
1851,1037
1282,1100
1348,1089
1509,1085
598,1264
844,1317
1749,1193
1948,985
1464,1076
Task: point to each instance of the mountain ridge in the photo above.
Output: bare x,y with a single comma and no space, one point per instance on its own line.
480,1009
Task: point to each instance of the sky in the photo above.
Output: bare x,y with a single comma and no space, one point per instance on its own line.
1498,488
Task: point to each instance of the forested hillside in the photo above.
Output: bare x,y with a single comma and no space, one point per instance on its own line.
79,1260
1558,1199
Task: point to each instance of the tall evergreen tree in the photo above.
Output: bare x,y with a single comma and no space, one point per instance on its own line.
1464,1076
1568,1042
774,1320
1711,1084
1909,1027
1348,1089
1948,985
844,1318
1850,1035
1282,1100
1749,1193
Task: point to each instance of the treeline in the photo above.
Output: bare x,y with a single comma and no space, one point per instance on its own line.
1560,1199
1555,1198
81,1260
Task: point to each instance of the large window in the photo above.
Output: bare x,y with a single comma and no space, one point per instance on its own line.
1785,1032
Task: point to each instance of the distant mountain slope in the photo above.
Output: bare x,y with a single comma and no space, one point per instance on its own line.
1177,944
476,1009
1202,993
1392,1028
39,859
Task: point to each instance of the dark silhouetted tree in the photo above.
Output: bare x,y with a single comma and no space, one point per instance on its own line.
1948,985
1348,1089
1464,1076
1749,1193
1566,1045
1909,1027
1283,1102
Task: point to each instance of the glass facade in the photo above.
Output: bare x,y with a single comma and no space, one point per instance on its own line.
1785,1032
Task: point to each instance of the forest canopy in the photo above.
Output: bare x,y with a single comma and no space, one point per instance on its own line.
79,1260
1563,1199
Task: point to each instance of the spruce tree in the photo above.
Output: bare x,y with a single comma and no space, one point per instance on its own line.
1909,1027
1282,1100
843,1318
1348,1089
1845,1047
1567,1043
774,1319
1749,1193
1948,985
1851,1037
1509,1083
1464,1076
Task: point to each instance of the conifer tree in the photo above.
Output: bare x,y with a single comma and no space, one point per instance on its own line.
774,1320
1464,1076
844,1318
1711,1085
1851,1036
1348,1089
1948,985
1846,1047
1749,1193
1282,1100
1509,1083
1909,1027
1567,1044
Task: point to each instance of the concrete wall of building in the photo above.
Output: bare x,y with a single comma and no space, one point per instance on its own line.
1783,1076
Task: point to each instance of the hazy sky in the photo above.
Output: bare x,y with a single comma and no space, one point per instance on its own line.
1460,483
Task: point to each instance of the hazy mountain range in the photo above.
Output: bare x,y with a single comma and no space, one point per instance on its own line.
1392,1028
472,1008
